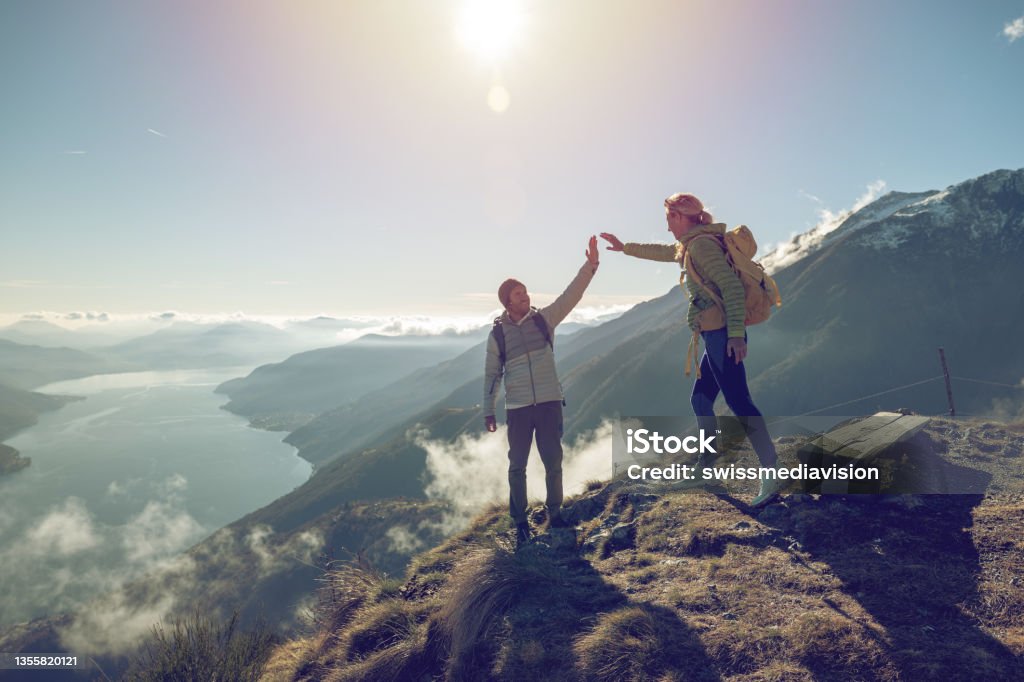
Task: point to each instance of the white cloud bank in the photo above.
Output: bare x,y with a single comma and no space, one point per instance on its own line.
1014,29
472,472
69,557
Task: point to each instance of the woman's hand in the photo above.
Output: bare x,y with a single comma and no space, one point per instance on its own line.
615,244
737,348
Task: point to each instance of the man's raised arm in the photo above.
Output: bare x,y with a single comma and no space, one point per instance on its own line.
563,305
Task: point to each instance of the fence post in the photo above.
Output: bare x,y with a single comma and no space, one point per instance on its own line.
949,388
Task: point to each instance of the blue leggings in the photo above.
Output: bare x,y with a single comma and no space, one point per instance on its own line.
721,374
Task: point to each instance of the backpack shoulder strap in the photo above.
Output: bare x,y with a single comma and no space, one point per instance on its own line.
542,325
691,271
499,338
499,335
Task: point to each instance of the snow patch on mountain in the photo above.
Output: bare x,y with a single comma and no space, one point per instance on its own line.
867,210
887,237
892,203
935,205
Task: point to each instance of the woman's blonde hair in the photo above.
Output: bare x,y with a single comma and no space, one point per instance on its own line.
689,206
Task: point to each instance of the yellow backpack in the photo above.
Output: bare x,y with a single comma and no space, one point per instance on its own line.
761,291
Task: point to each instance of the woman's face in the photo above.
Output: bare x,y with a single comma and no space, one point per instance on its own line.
678,224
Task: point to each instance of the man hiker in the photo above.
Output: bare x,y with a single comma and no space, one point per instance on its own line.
520,349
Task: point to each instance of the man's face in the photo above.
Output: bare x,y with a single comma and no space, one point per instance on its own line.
518,301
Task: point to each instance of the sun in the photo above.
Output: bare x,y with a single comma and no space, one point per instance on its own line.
490,28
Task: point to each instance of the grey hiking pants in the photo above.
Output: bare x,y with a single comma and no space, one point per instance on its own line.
545,420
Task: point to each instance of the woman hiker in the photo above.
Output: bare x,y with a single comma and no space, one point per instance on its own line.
721,367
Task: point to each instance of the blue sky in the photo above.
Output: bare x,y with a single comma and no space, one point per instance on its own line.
342,157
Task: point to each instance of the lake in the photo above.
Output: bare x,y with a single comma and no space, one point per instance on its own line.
141,469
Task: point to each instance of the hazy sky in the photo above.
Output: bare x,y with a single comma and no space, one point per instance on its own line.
355,157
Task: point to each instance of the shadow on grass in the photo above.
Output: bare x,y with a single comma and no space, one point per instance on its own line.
545,614
909,561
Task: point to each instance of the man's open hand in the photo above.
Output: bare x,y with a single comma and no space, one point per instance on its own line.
592,255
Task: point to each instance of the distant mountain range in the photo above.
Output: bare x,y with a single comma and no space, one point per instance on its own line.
185,345
316,381
29,367
42,333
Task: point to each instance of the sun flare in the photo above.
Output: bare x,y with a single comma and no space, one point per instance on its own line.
490,28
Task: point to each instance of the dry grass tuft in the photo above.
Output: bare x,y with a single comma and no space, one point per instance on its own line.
482,590
637,643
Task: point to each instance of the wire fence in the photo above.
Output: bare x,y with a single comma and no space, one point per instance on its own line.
894,389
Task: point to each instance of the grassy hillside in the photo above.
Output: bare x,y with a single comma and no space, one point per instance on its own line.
658,585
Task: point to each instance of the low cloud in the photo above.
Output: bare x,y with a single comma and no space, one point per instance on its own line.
116,490
64,531
1008,409
159,530
315,331
472,472
65,561
116,623
599,314
91,316
218,572
1014,29
274,556
402,540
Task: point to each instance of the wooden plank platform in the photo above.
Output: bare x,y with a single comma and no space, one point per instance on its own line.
858,444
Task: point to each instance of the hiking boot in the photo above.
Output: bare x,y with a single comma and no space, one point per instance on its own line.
523,534
768,492
695,481
558,521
